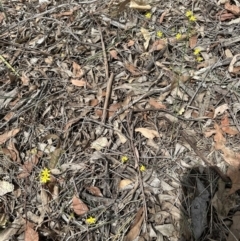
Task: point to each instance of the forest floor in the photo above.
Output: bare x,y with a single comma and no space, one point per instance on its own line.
119,120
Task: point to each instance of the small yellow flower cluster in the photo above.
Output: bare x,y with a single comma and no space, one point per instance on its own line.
142,168
189,14
90,220
124,159
159,34
197,53
178,36
45,175
148,15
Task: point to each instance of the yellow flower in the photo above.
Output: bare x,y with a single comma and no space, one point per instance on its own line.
189,13
124,159
90,220
142,168
159,34
199,59
148,15
45,175
192,18
178,36
197,51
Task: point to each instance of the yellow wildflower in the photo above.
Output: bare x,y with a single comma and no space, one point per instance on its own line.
189,13
45,175
178,36
159,34
142,168
197,51
199,59
124,159
148,15
90,220
192,18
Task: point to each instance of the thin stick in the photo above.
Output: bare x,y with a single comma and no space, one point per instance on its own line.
108,94
104,54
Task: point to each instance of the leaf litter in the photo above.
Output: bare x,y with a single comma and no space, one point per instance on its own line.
171,105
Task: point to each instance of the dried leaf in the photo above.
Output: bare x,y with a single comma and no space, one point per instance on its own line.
100,143
231,157
225,126
156,104
148,133
234,174
25,79
79,83
232,8
132,69
30,234
193,41
79,207
54,157
5,187
218,138
158,45
146,36
28,166
113,54
163,15
135,5
231,65
130,43
95,191
124,183
7,135
136,227
220,110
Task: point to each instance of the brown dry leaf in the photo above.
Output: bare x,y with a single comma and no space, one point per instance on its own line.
148,133
25,80
124,183
15,154
113,108
220,110
193,41
226,128
219,138
77,70
231,157
79,83
114,54
2,16
234,174
130,43
156,104
132,69
7,135
79,207
8,116
30,233
136,226
95,191
234,233
232,8
221,200
158,45
28,166
163,15
93,102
